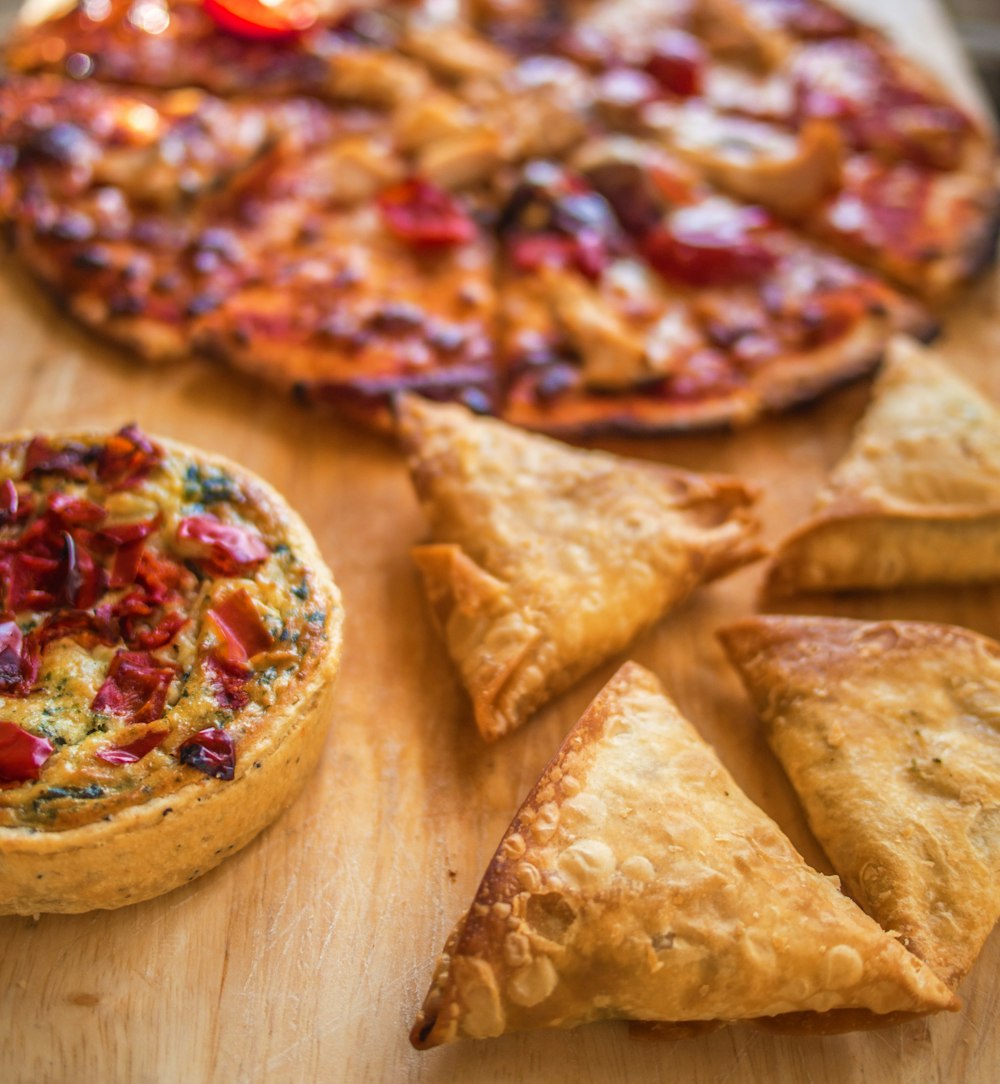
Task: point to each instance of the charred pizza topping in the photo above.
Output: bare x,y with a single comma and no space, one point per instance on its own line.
677,62
258,20
713,243
141,596
423,215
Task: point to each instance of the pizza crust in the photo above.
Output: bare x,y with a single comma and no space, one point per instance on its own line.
144,850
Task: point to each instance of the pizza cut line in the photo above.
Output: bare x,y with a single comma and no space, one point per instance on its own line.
601,216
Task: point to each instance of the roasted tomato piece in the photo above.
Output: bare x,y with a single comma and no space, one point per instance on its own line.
711,245
424,215
677,62
586,253
127,457
210,751
136,687
21,754
227,548
244,634
134,750
9,502
261,20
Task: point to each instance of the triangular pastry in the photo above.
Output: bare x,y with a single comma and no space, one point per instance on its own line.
890,734
637,881
915,499
548,559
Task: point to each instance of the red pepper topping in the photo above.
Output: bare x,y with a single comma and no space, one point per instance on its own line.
124,534
11,640
9,502
136,687
244,634
710,245
128,540
74,511
258,20
586,252
21,754
229,685
210,751
224,548
134,750
127,457
126,565
41,457
87,628
677,63
160,577
160,634
424,215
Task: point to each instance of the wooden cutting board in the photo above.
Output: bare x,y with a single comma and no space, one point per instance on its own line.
305,957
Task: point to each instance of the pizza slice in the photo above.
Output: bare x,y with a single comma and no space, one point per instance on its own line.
113,196
637,881
367,300
915,500
547,559
713,312
840,69
928,229
888,732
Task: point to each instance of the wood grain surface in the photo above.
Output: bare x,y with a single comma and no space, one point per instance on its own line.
305,957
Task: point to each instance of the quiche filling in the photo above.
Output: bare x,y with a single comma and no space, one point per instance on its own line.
152,612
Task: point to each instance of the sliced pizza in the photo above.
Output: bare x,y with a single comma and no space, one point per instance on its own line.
360,161
915,500
637,881
634,297
928,229
545,559
107,190
888,732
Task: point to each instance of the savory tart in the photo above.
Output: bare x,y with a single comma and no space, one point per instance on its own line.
637,881
916,497
548,559
889,733
168,637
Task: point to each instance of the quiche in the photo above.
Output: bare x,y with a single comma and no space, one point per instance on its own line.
168,639
915,499
889,733
547,559
637,881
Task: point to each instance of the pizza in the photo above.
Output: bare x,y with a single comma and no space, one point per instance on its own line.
602,215
168,636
